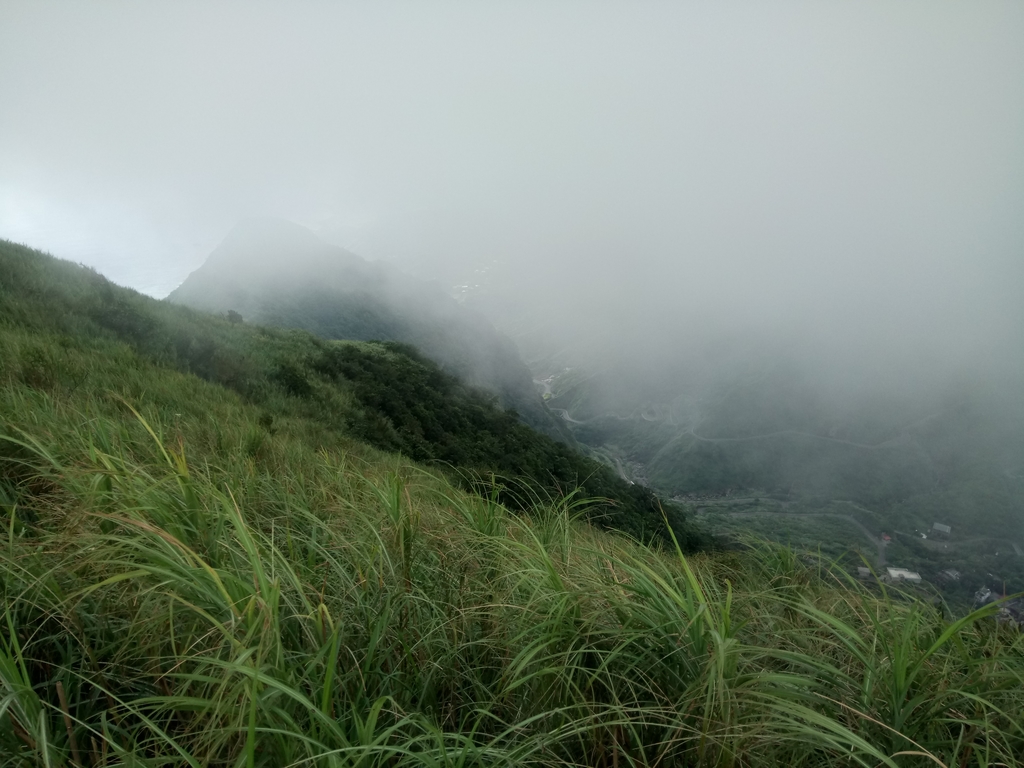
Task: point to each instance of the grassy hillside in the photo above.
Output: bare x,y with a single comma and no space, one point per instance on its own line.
277,273
383,394
196,574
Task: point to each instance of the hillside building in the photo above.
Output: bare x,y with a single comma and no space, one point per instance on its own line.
902,574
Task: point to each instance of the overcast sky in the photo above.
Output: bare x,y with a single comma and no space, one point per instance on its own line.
753,162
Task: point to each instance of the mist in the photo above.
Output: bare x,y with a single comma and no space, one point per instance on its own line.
628,181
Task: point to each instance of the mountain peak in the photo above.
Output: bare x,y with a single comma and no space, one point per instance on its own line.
267,246
262,229
279,273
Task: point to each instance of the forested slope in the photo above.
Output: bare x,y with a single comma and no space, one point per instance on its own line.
387,395
277,273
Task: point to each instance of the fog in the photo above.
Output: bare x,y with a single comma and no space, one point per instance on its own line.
846,176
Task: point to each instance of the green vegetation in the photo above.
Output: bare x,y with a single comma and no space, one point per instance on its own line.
216,572
385,394
949,453
835,538
277,273
429,415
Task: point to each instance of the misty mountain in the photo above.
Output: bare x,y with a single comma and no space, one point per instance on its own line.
898,451
384,394
190,506
274,272
772,425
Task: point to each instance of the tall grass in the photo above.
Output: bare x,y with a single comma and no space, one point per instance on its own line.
189,579
65,329
168,603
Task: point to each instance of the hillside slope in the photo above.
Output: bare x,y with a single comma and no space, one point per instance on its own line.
195,574
277,273
384,394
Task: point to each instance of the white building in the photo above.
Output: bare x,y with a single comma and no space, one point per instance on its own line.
902,574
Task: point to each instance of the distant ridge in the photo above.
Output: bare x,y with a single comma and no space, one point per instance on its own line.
276,272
